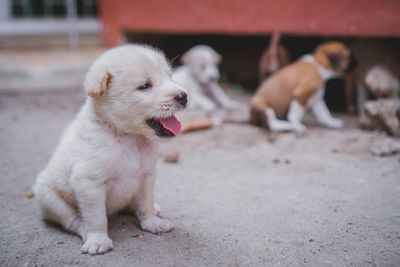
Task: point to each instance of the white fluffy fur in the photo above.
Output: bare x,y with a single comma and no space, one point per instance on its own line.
105,161
200,76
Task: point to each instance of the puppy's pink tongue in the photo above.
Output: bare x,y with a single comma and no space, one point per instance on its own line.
171,124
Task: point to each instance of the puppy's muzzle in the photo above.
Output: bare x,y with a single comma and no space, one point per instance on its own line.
214,79
181,98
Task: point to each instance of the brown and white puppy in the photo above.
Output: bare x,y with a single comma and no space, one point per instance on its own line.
301,85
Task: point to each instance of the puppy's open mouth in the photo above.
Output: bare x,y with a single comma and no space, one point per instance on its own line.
165,127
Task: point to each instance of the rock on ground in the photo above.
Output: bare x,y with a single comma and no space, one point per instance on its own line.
381,115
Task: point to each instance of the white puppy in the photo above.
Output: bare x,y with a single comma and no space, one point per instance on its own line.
106,159
200,76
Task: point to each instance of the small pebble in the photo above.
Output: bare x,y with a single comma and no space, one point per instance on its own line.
29,195
139,235
335,150
172,157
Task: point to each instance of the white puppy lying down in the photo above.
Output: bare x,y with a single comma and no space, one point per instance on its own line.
200,76
106,159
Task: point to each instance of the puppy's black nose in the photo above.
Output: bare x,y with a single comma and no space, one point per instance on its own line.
181,98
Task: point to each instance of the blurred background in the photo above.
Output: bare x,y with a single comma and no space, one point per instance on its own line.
43,24
51,43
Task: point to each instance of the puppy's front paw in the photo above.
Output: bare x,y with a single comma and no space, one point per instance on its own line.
157,225
97,244
299,128
334,123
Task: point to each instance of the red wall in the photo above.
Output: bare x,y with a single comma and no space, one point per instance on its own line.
306,17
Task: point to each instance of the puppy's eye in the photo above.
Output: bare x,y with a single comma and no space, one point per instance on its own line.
144,86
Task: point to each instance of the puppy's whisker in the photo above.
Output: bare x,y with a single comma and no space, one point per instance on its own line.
172,60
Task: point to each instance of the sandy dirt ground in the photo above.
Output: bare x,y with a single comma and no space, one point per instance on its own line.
43,71
238,196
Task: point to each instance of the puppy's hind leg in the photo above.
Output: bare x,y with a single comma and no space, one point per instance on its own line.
263,115
56,210
276,125
257,112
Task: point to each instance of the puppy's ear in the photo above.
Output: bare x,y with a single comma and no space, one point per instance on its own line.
335,60
218,58
96,84
186,58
